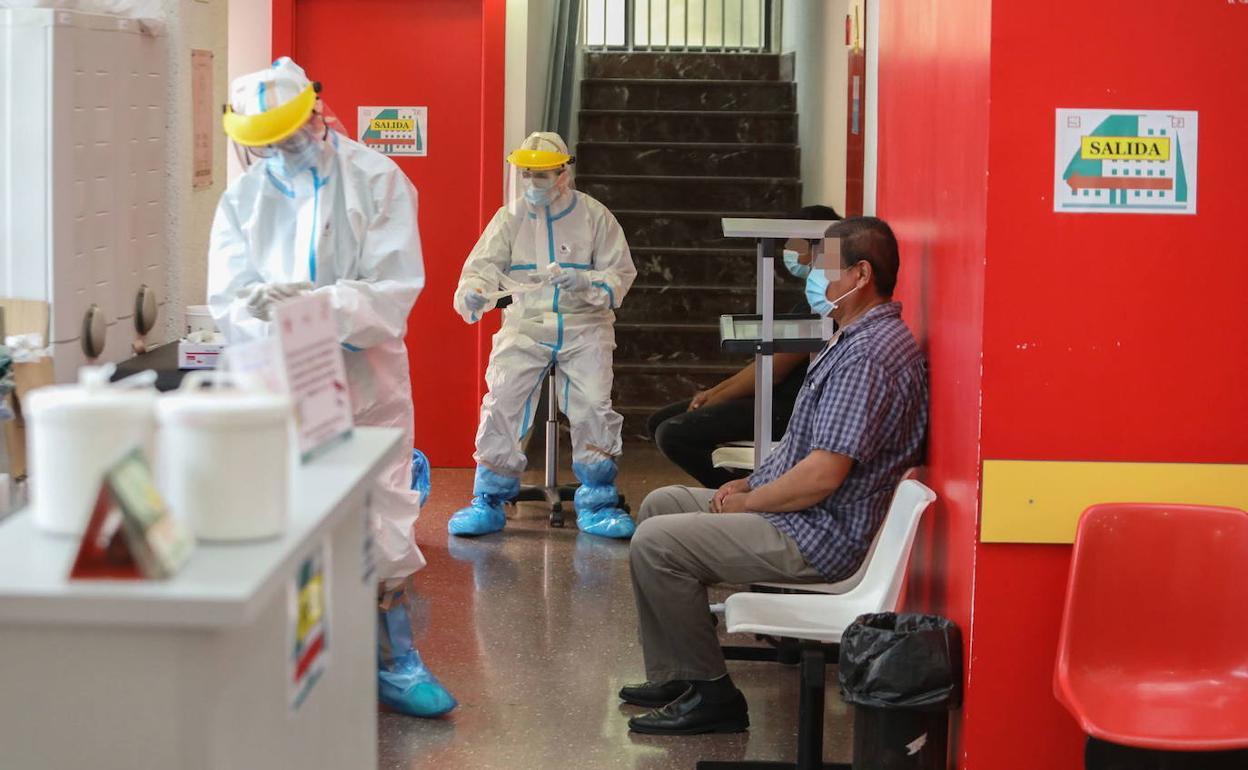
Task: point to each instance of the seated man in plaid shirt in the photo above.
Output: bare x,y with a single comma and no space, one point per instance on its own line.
808,514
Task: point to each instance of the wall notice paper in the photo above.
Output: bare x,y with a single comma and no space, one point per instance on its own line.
307,606
204,125
395,130
315,373
1125,162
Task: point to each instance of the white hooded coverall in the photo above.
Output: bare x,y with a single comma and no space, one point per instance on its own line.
347,226
573,331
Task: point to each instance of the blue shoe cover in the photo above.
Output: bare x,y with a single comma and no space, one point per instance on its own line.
404,683
420,475
613,523
596,498
479,518
485,514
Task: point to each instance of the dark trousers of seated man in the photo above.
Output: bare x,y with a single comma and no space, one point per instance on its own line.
678,550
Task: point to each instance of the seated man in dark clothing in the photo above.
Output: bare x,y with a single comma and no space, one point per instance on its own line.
687,432
807,514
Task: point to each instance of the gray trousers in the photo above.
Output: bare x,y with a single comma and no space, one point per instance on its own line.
678,550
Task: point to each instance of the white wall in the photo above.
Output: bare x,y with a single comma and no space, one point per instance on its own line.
814,31
530,28
192,24
250,46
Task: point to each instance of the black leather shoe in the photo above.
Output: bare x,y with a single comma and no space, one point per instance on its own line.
653,695
691,714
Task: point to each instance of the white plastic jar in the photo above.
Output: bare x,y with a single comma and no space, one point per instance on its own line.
74,434
225,458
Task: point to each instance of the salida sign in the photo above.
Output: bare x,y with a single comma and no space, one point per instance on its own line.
395,130
1125,161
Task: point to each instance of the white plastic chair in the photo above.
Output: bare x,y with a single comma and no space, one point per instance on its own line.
875,587
899,502
820,619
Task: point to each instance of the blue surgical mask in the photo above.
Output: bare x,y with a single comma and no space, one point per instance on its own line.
539,197
297,154
794,264
817,294
541,191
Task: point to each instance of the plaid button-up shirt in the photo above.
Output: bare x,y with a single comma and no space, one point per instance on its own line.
864,397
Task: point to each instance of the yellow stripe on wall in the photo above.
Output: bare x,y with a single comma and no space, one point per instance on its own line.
1038,501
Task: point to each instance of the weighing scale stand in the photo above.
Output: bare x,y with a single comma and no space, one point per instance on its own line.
769,232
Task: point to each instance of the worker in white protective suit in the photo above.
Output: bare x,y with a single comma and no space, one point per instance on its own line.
316,212
563,258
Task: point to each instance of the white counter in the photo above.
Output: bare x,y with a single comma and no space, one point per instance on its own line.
193,672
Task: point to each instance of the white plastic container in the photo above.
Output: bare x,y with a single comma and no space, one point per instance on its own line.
225,457
199,319
74,434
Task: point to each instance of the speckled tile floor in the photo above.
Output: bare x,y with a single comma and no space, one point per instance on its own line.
534,631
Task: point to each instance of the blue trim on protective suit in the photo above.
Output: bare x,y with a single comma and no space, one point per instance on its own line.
610,294
567,382
526,420
283,189
576,265
317,184
597,499
352,348
550,249
264,106
524,266
563,213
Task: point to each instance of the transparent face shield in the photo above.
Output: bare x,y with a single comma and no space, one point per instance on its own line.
535,189
298,147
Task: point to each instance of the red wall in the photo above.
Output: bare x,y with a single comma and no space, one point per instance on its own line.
933,138
1106,337
446,55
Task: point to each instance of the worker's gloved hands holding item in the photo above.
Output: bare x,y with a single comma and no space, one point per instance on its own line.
475,301
262,297
568,280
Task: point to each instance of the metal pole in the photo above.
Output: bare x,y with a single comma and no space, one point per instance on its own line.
741,24
704,45
764,359
552,430
723,25
667,25
605,8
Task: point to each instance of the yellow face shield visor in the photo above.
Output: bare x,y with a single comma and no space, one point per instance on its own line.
272,126
539,160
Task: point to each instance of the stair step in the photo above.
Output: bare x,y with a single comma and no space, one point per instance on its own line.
688,158
635,421
697,193
689,66
660,384
716,267
645,227
704,304
657,343
687,126
635,94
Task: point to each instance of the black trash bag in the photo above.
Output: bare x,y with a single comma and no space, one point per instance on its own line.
891,660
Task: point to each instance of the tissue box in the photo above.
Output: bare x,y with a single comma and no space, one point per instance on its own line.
199,355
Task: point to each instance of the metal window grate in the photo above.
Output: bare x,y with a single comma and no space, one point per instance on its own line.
741,26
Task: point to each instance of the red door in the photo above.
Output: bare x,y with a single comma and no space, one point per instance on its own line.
446,55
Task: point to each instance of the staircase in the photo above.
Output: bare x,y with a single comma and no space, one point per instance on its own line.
672,143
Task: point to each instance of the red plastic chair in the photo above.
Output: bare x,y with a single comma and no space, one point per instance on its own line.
1153,650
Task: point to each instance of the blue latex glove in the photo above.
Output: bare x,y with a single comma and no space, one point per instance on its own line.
475,302
570,280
